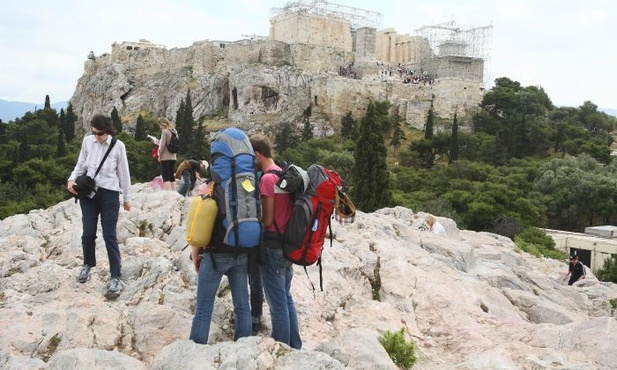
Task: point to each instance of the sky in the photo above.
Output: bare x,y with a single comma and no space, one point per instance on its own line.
563,46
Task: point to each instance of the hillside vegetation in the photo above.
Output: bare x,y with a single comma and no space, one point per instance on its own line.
524,162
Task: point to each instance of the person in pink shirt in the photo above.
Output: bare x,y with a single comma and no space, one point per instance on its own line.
276,271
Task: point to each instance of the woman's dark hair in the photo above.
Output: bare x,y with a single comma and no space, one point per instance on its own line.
103,123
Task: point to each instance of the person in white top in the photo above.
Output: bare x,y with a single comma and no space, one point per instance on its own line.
113,178
434,226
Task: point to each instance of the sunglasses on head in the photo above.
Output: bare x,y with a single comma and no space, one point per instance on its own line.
99,133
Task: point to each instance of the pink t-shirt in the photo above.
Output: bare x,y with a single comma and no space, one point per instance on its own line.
282,201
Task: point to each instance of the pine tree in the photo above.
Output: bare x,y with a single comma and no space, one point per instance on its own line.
23,151
62,119
454,142
348,127
115,118
201,146
47,103
71,119
61,147
185,124
397,135
371,188
424,147
140,129
430,121
286,138
307,131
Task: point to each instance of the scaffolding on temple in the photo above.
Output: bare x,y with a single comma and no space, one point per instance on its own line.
449,50
357,18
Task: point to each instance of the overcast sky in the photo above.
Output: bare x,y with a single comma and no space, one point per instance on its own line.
564,46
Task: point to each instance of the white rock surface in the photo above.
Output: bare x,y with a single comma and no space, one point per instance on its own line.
468,301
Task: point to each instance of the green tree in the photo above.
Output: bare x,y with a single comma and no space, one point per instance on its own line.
71,119
608,272
115,118
348,127
185,124
24,147
61,147
397,135
141,133
47,102
577,192
517,116
371,187
286,138
307,131
201,146
454,141
430,121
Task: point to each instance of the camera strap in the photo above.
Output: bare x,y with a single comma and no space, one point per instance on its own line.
113,142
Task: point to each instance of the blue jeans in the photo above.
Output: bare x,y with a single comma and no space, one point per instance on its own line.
105,203
213,267
276,276
187,183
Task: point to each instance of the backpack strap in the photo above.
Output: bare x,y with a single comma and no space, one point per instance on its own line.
234,204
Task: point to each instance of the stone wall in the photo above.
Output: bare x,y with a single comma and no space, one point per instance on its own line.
291,77
308,28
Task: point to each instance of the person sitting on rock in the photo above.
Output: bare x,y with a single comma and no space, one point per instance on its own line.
435,226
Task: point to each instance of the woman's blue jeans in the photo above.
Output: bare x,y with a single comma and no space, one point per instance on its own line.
105,203
213,267
276,275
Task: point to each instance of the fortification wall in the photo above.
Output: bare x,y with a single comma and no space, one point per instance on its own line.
308,28
259,82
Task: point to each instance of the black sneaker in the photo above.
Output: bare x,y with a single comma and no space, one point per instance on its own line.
256,325
84,274
115,288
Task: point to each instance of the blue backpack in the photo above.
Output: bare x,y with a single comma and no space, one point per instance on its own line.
236,191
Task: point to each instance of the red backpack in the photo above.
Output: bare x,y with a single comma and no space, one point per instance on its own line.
310,217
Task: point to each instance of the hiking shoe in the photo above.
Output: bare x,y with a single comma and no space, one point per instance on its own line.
115,287
84,274
256,325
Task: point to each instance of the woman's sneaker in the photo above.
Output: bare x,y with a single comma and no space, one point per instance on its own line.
84,274
115,288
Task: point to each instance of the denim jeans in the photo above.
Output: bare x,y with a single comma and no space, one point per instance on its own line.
105,203
276,275
213,267
187,183
256,286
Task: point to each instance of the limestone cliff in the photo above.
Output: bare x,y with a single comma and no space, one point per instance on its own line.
255,83
469,300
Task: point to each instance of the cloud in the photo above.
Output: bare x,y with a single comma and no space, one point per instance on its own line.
564,46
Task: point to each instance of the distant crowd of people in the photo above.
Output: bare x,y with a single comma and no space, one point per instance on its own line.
347,71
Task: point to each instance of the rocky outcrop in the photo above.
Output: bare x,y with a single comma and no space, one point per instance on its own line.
258,83
468,301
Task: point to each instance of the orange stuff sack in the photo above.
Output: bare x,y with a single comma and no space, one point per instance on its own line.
200,223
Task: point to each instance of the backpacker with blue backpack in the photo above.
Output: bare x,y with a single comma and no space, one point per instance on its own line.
238,225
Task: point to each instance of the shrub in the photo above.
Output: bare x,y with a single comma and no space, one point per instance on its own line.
536,236
608,272
535,241
402,352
